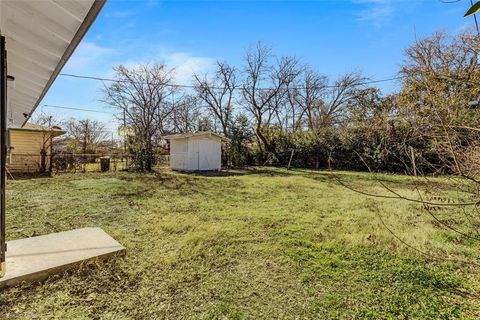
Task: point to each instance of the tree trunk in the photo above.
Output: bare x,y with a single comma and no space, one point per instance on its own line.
43,159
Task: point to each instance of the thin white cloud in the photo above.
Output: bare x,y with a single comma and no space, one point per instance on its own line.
376,12
183,64
88,54
92,59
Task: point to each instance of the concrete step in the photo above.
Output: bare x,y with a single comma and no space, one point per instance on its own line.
36,258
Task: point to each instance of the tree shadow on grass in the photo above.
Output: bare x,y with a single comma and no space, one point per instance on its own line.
241,171
27,175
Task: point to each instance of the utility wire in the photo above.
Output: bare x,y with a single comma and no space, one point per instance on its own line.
77,109
217,88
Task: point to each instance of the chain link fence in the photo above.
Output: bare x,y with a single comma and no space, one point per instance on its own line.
26,163
81,163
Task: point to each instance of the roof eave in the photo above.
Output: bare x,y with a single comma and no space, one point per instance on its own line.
86,24
56,132
196,134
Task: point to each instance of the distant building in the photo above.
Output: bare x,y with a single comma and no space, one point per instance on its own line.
30,148
201,151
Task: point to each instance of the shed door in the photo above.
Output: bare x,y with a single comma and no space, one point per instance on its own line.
178,154
200,156
196,154
205,155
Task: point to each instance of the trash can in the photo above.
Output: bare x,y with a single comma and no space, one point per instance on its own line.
104,164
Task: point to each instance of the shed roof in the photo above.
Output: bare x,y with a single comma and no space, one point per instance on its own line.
40,38
206,134
38,128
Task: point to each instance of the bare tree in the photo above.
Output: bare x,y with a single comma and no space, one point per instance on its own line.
185,114
440,79
328,105
439,104
143,95
264,88
48,122
306,99
86,133
218,92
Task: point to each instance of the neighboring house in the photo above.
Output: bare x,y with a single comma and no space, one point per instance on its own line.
201,151
31,148
62,145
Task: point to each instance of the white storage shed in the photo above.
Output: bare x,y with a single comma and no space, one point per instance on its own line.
200,151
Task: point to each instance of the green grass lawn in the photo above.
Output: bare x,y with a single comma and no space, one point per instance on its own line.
261,243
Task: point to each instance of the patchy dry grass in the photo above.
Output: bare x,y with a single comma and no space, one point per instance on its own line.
264,243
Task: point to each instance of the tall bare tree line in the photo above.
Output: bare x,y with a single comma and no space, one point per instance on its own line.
281,97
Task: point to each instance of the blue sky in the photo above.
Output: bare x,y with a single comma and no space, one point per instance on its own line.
333,36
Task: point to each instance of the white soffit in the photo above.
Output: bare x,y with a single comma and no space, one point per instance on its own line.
41,35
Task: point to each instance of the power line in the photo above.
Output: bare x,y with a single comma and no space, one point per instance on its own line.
77,109
240,88
216,88
237,88
123,81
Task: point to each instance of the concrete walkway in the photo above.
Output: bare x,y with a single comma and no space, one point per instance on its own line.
36,258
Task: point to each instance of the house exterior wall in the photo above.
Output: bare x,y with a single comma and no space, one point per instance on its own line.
26,148
196,154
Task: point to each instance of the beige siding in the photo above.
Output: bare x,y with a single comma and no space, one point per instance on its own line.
25,155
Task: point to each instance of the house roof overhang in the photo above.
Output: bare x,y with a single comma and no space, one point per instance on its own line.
40,38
